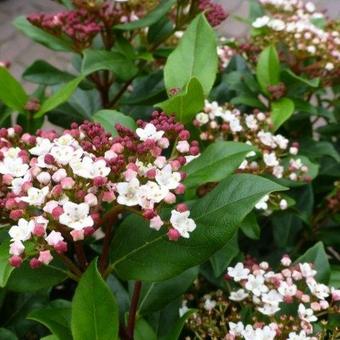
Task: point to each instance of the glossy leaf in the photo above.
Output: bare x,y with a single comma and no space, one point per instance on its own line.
282,109
6,334
195,56
94,308
250,227
268,68
143,331
140,253
185,106
177,330
289,77
59,97
12,93
5,268
109,118
118,63
216,162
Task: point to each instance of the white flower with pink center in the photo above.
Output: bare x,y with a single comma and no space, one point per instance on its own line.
76,216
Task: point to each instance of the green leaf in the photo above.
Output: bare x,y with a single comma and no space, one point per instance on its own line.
151,18
185,105
156,295
94,308
42,37
335,276
251,101
11,92
24,279
250,227
290,77
41,72
56,317
282,109
6,334
222,258
5,268
143,331
140,253
59,97
50,337
177,330
118,63
195,56
268,68
109,118
318,257
216,162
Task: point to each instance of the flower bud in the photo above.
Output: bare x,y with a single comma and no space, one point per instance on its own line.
15,261
173,234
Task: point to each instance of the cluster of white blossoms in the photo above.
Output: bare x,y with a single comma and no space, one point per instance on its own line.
56,187
297,25
278,156
264,304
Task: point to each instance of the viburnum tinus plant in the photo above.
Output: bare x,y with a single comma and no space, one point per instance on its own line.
177,166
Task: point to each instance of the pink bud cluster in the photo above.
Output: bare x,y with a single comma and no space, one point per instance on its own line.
267,295
55,189
228,123
214,12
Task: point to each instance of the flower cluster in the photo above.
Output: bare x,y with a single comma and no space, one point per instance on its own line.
305,32
268,295
225,53
228,123
81,25
55,189
214,12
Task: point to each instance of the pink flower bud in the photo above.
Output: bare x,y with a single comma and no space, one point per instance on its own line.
164,143
305,298
60,247
175,165
156,151
35,263
67,183
170,198
44,178
149,214
15,261
49,206
99,181
96,217
26,138
184,135
77,235
194,150
39,230
132,166
10,203
59,175
182,207
16,214
56,212
7,179
173,234
88,231
117,148
45,257
57,191
49,159
130,174
315,306
108,196
91,200
180,189
286,261
151,174
324,304
160,161
156,223
16,248
336,295
183,146
288,299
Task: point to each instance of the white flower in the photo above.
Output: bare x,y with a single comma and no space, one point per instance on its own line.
54,237
320,290
286,289
182,223
272,298
235,125
76,216
277,24
183,146
329,66
306,314
270,159
88,168
149,132
66,140
13,167
266,138
268,309
261,21
301,336
251,122
266,333
311,49
239,295
16,248
209,304
182,310
22,231
42,147
278,171
262,203
236,328
152,193
202,118
293,150
281,141
165,177
283,204
36,196
238,272
306,270
62,154
310,7
256,284
128,192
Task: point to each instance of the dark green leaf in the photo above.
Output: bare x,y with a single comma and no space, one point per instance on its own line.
177,330
11,92
6,334
109,118
140,253
185,105
250,227
216,162
118,63
5,268
268,68
282,109
41,72
42,37
251,101
94,308
143,331
195,56
56,317
289,77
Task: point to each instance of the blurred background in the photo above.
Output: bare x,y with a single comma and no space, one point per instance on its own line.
19,50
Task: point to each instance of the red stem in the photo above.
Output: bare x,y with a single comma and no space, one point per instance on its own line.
133,310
